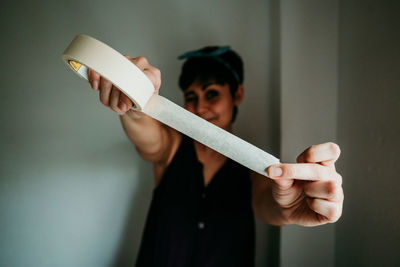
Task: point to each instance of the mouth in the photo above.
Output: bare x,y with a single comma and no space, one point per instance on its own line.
208,119
211,120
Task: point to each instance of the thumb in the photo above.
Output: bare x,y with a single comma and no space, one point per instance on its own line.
283,184
285,192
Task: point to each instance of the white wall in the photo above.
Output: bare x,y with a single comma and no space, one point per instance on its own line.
73,191
369,129
308,54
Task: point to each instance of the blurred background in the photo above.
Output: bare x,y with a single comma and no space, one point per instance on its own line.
74,192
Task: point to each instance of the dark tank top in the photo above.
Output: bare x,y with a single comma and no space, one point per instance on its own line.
190,224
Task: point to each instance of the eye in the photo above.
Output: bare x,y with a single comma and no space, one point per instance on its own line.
190,98
211,94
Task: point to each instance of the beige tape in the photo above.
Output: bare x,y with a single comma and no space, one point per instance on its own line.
86,52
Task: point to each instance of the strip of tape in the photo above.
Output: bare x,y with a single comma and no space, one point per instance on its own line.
86,52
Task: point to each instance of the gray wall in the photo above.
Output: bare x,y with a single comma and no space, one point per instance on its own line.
340,80
369,131
73,191
308,108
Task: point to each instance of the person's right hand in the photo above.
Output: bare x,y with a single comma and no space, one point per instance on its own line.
112,97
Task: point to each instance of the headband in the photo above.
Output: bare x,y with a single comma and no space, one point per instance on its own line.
215,55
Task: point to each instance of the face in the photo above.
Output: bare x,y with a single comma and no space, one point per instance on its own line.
212,102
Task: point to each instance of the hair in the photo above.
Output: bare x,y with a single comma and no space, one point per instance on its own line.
226,68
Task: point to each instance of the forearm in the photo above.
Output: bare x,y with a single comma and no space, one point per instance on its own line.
144,132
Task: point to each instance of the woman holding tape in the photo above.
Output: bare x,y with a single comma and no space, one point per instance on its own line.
203,203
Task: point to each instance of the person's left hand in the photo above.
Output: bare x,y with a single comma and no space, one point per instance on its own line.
310,192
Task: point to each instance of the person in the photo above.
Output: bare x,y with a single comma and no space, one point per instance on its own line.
203,205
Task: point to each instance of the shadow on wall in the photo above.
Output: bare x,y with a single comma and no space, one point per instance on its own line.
127,199
122,202
132,231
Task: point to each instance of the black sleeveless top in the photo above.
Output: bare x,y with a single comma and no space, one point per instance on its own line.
190,224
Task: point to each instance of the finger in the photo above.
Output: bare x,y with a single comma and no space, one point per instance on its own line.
126,100
140,62
115,101
302,171
105,90
154,76
94,79
330,210
284,184
128,57
326,154
329,190
285,193
151,72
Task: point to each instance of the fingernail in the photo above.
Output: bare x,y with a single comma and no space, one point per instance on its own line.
95,85
275,171
122,106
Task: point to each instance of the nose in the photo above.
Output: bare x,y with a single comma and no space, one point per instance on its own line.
202,106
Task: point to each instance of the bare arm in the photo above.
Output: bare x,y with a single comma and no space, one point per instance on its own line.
153,140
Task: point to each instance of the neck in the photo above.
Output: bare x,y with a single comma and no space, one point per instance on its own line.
205,154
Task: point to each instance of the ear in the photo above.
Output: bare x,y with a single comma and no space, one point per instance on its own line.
239,95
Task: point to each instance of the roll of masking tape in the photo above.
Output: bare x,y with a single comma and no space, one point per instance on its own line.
86,52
